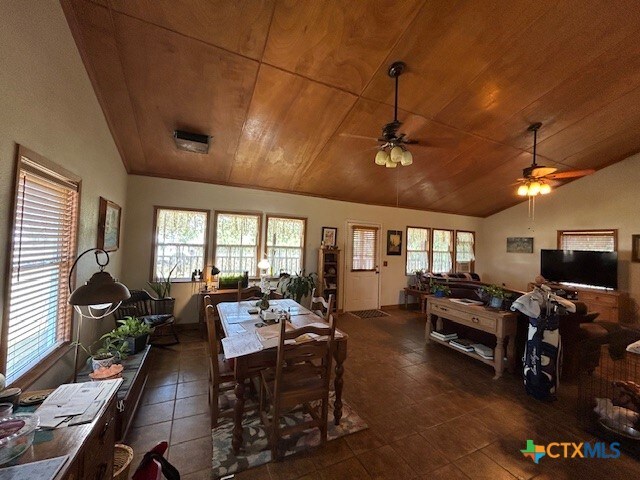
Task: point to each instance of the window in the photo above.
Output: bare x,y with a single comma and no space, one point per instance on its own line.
285,244
442,251
363,248
237,243
43,248
595,240
417,249
180,242
465,251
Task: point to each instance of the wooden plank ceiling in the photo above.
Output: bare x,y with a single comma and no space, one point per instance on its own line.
278,84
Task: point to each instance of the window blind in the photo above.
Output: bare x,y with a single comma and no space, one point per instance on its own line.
465,251
363,248
442,251
285,244
44,247
237,240
180,242
417,249
595,240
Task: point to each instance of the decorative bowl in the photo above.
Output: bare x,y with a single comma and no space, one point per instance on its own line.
16,435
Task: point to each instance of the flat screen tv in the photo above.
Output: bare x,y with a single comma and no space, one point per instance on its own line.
599,269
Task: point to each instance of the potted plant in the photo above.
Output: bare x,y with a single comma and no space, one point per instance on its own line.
439,289
131,332
107,354
162,287
496,295
229,281
300,286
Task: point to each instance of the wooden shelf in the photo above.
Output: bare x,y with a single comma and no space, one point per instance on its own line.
468,354
329,259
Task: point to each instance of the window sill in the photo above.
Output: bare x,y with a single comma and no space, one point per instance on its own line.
31,376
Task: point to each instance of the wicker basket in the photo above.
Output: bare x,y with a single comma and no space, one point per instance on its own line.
122,458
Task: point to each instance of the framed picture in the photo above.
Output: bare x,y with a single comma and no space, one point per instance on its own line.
109,225
635,248
329,236
394,242
519,244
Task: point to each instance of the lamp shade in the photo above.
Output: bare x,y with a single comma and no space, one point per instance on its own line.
407,158
214,271
534,189
396,154
381,157
523,190
264,264
545,188
99,297
390,164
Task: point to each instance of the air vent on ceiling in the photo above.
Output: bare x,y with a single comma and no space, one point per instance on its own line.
191,142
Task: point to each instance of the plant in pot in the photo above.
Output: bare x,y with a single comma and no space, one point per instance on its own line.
496,295
439,289
300,286
132,332
107,354
162,287
229,282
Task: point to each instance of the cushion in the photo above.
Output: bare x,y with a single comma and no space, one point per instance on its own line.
155,320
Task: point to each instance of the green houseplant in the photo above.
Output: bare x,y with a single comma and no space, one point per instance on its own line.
162,287
496,295
439,289
300,285
107,352
131,332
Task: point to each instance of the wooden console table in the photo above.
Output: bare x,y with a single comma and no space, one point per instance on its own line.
500,323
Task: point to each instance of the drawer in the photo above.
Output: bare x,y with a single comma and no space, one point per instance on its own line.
607,314
474,320
598,298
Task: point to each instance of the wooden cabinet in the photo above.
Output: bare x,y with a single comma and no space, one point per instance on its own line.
97,461
329,273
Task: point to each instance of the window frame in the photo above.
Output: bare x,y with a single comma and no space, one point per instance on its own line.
612,231
453,249
304,236
152,269
376,253
406,250
63,347
472,267
259,248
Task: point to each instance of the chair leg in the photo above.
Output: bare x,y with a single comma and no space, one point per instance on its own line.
323,420
215,409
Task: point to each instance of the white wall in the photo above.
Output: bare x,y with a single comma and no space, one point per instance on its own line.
48,105
145,192
607,199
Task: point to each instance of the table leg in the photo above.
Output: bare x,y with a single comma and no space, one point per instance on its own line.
406,300
428,328
498,356
511,353
238,412
340,356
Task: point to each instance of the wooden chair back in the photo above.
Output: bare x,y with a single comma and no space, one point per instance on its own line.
249,293
213,340
138,305
323,307
312,357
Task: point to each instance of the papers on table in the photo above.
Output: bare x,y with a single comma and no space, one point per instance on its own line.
241,344
40,470
272,331
234,329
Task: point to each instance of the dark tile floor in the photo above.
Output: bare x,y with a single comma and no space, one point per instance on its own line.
433,413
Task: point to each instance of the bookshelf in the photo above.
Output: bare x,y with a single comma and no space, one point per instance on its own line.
329,273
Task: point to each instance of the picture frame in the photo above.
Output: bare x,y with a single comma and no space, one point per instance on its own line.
635,248
329,236
109,217
519,244
394,242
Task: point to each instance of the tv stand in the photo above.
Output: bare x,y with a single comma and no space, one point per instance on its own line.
608,303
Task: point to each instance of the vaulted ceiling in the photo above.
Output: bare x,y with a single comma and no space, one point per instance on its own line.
284,86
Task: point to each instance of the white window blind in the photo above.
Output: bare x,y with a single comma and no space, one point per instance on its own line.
285,244
594,240
180,242
44,247
442,251
237,240
417,249
465,251
363,248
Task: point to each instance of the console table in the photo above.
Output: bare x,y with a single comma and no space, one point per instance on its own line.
500,323
421,295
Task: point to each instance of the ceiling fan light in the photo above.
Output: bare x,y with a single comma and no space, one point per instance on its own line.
382,157
534,189
523,190
407,158
545,189
397,154
391,164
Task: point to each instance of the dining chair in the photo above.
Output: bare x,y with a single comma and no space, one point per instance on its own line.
221,373
249,293
321,306
301,376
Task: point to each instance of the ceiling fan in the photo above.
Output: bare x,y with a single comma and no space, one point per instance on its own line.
393,150
536,177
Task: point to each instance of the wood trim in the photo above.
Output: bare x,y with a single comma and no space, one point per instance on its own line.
614,232
247,213
455,253
453,248
102,220
44,365
153,237
406,251
304,234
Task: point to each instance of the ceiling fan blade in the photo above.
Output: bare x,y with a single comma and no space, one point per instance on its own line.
570,174
361,137
542,171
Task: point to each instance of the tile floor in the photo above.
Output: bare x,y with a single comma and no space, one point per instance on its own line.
433,414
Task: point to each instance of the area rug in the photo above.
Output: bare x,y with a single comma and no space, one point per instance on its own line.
369,313
256,446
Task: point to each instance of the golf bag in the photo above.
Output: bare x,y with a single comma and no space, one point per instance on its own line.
543,357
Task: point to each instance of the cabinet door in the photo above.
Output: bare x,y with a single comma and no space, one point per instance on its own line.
98,451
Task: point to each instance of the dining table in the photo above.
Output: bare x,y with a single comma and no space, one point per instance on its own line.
241,318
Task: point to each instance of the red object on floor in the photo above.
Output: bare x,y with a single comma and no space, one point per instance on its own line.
154,465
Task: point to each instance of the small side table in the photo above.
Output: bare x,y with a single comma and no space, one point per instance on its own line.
421,295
